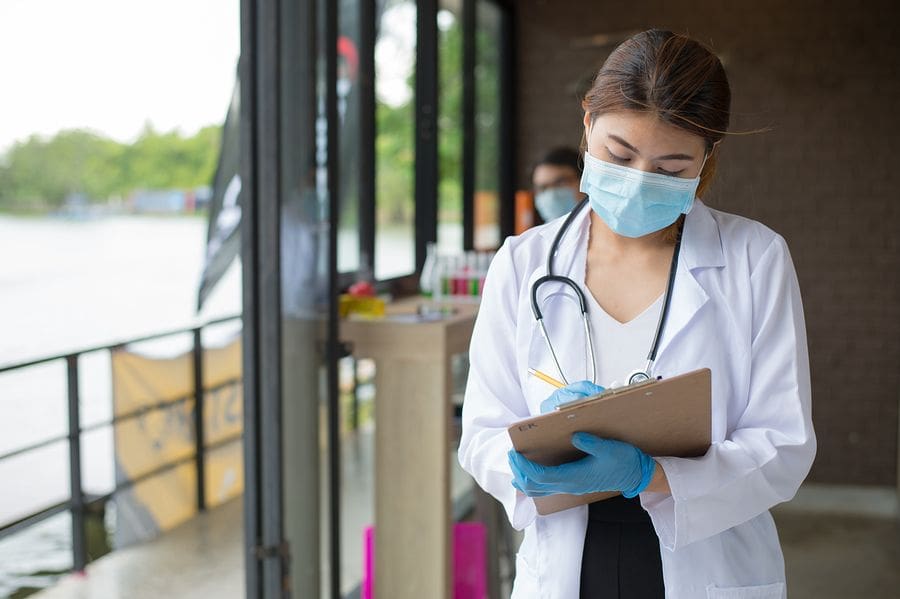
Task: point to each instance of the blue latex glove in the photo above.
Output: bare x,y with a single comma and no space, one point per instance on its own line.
609,466
570,393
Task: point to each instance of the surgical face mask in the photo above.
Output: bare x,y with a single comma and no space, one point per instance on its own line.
554,202
634,203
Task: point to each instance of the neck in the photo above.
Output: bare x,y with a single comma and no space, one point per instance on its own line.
602,239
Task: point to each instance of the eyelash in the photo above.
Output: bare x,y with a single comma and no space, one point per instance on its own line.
620,160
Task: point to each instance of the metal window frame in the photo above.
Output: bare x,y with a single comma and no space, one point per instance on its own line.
261,336
426,142
332,346
469,23
367,131
508,119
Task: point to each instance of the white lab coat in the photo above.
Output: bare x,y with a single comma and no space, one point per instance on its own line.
735,309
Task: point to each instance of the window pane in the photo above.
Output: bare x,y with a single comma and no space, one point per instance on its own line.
304,273
349,142
395,48
487,126
450,127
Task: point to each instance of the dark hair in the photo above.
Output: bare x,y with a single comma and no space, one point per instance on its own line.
672,76
560,157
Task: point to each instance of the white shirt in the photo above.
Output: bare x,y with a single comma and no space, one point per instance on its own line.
620,348
736,310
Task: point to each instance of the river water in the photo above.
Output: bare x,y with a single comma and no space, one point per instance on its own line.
67,285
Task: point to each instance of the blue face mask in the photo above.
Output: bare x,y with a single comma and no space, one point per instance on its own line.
554,202
634,203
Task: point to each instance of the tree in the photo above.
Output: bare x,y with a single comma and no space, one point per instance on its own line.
38,173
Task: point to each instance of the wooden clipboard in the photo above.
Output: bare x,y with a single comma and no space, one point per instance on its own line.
665,417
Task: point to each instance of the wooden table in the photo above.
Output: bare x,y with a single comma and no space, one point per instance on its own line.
413,411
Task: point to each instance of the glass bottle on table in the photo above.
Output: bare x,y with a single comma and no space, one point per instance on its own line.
428,281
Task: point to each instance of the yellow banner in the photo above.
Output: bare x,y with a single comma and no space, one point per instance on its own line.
158,434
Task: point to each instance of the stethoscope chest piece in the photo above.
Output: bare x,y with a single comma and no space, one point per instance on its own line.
638,376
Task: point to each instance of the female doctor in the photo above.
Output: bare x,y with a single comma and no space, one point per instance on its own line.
646,278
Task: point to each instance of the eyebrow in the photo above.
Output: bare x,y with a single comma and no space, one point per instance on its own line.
635,150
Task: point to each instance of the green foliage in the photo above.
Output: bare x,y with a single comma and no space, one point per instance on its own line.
487,110
395,142
40,173
394,163
450,124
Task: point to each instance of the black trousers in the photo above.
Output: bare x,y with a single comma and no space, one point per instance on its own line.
621,553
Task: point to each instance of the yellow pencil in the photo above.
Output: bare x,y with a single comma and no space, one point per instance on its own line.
546,378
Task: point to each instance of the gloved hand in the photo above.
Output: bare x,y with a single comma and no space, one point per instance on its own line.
570,393
609,466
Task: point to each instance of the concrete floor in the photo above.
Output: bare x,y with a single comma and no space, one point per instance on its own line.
840,556
831,551
202,559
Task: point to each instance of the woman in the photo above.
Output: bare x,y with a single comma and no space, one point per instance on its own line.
682,528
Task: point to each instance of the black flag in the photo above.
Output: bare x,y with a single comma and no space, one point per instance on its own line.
223,240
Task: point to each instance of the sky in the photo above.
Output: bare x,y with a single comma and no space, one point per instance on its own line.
114,65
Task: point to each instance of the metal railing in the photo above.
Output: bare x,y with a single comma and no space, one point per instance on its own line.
79,501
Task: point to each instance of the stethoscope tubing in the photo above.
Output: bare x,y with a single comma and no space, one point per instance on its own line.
582,301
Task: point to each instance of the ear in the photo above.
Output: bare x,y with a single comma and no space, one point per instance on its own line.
587,121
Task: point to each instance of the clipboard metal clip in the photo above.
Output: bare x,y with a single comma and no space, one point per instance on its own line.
605,394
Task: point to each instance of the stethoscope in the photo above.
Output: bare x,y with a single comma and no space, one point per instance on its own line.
637,376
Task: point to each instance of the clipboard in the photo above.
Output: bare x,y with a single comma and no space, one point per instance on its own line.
663,417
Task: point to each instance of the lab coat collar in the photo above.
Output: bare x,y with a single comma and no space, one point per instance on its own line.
572,246
702,244
701,247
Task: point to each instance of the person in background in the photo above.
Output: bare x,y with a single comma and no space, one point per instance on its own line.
556,178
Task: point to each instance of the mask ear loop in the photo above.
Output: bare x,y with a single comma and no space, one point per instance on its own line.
587,141
706,156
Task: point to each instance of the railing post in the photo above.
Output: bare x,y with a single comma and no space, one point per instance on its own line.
76,502
198,420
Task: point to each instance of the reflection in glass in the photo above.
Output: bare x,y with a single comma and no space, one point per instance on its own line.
349,143
304,275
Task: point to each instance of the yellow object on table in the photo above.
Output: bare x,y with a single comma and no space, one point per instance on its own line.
368,306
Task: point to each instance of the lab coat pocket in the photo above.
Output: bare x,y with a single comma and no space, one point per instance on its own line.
766,591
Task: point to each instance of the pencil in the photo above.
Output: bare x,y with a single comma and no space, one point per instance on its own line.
546,378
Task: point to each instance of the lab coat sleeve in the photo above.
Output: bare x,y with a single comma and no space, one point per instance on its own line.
770,450
494,397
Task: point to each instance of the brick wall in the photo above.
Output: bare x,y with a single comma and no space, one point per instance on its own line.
825,76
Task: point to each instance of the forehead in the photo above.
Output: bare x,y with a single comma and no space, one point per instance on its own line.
647,132
548,173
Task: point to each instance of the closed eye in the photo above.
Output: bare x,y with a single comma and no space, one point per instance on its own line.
626,159
669,173
617,159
